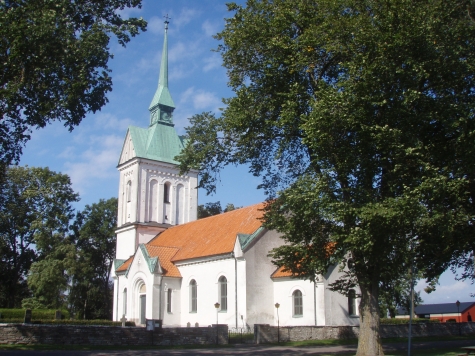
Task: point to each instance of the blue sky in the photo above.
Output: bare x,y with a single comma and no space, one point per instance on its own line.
197,82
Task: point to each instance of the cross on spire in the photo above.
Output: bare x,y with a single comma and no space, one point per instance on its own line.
166,21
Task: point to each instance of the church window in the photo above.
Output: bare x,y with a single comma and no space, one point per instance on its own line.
169,300
352,302
128,191
153,209
297,303
166,193
143,289
125,302
193,296
223,293
179,215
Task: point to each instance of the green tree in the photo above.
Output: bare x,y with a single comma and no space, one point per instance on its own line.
358,116
397,295
54,56
90,294
34,218
209,209
48,278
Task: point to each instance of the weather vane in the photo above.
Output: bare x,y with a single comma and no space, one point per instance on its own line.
166,21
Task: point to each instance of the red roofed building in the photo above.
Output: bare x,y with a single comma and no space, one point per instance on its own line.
174,268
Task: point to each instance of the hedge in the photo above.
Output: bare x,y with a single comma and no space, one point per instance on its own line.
394,321
36,314
69,322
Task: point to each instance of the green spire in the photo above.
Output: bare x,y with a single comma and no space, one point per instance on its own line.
162,105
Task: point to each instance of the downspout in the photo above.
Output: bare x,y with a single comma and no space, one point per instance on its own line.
117,301
315,301
235,289
160,299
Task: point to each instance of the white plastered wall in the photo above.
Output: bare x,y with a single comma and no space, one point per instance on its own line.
172,318
139,273
259,297
206,273
336,311
125,242
167,173
283,290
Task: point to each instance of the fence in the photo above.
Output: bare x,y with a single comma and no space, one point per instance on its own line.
240,336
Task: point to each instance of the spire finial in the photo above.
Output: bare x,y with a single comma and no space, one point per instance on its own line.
162,106
166,21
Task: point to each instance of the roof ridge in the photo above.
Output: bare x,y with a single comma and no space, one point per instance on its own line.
148,244
228,212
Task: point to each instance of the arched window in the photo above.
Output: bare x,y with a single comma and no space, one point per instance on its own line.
166,193
352,302
179,211
223,293
124,306
297,303
153,202
143,303
169,300
193,297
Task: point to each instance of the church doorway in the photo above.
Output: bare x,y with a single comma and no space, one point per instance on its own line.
143,305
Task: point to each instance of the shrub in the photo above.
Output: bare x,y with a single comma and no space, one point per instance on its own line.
69,322
36,314
394,321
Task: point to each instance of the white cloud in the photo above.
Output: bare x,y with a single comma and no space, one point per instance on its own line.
209,28
129,12
184,50
185,16
67,152
109,121
211,62
98,162
201,99
448,291
155,25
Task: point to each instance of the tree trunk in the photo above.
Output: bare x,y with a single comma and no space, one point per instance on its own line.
369,340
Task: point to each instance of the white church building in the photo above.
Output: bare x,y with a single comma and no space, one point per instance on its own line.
172,267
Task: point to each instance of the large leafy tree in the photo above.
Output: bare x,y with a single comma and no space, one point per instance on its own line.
358,114
54,56
90,294
34,218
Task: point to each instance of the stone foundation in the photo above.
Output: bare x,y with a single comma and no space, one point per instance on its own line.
109,335
265,334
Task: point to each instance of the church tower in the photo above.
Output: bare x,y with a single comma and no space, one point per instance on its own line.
152,194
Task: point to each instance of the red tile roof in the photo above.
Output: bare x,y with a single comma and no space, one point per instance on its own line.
281,272
210,236
125,265
165,254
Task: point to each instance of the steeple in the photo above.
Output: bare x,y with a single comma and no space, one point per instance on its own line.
162,105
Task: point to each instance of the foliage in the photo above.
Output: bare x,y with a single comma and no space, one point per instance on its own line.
358,116
397,294
96,322
54,56
90,294
36,314
394,321
34,216
210,209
